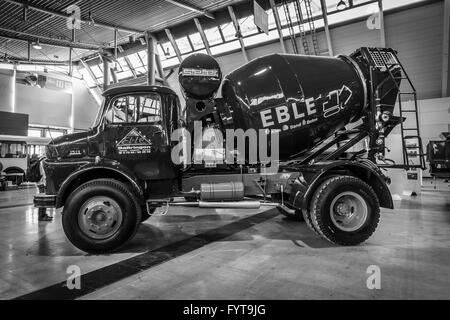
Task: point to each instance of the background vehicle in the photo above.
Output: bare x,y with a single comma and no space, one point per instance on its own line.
13,156
115,176
36,146
17,153
439,157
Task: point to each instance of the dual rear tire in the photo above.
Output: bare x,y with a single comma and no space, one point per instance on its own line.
344,210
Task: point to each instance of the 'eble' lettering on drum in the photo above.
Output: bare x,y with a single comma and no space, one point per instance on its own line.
306,111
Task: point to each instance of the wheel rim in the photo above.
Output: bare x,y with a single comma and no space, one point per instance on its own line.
100,217
349,211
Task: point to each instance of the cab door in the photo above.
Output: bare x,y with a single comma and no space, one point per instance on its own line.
136,135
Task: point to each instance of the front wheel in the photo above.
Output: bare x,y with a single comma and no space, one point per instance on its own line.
345,210
101,215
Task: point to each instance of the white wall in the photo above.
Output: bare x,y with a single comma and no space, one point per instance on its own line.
85,106
45,107
7,86
49,107
346,39
434,118
417,35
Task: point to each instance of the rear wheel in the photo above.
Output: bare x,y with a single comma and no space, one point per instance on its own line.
345,210
307,217
101,215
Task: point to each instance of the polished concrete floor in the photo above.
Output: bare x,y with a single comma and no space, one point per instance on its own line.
231,254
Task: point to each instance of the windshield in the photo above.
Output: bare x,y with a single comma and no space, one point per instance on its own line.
135,108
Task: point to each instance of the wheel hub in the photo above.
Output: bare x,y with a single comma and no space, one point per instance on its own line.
343,209
100,217
349,211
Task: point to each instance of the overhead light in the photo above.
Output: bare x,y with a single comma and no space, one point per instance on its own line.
142,40
342,5
36,45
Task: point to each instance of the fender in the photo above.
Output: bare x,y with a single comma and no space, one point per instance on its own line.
113,166
365,170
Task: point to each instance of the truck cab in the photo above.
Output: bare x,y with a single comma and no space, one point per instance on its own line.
135,127
130,137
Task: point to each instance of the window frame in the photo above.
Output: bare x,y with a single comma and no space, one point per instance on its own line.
136,95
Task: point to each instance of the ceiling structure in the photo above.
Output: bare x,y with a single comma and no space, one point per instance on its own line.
181,27
46,20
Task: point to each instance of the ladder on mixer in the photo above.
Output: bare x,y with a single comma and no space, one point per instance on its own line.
411,139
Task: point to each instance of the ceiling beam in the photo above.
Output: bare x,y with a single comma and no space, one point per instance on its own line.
274,7
191,7
238,32
174,44
34,25
203,36
130,66
49,40
382,33
90,72
35,62
326,26
68,16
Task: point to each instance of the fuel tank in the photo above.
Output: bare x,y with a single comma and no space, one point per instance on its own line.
305,98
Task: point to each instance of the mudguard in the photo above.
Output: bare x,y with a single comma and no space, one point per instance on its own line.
365,170
114,167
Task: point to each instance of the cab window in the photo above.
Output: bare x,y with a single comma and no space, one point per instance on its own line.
141,108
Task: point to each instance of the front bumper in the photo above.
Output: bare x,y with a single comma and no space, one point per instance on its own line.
44,201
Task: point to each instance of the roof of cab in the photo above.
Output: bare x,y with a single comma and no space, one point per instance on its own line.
138,89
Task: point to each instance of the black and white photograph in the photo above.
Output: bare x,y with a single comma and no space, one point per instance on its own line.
217,159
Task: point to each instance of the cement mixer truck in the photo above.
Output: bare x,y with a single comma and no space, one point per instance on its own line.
323,119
